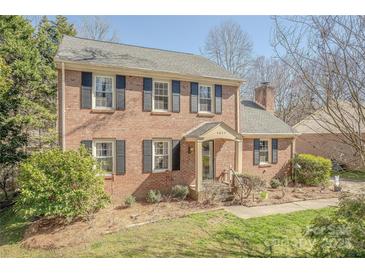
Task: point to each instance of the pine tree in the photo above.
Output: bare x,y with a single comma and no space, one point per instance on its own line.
27,87
48,37
18,79
63,28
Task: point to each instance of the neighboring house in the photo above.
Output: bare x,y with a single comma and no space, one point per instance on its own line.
319,136
156,118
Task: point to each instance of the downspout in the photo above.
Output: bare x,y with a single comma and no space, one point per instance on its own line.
238,110
63,139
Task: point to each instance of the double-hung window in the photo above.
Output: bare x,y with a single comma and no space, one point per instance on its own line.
205,98
264,151
104,154
161,159
104,92
160,96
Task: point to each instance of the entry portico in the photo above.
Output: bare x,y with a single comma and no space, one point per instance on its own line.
205,159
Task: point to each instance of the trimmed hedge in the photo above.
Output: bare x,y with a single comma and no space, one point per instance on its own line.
313,171
66,184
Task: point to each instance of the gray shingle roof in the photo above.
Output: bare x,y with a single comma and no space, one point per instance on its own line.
127,56
256,120
321,122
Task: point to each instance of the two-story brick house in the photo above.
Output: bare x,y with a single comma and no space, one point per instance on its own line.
156,118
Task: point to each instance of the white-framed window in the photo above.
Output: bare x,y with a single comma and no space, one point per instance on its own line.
103,151
161,95
161,157
205,98
264,152
103,92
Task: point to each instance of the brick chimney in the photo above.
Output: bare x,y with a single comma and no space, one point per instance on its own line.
265,96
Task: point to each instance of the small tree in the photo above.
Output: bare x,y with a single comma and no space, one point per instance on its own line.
61,184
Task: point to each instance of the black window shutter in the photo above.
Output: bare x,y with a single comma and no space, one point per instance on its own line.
147,156
274,147
194,97
147,94
175,96
120,91
86,89
218,99
256,152
175,154
120,157
88,144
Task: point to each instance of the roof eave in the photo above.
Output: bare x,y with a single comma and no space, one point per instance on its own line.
78,65
267,134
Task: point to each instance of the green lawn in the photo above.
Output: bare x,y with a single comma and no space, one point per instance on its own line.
214,234
353,175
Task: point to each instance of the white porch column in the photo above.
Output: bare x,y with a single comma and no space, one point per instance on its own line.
198,165
238,153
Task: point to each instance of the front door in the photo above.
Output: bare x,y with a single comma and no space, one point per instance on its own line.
208,163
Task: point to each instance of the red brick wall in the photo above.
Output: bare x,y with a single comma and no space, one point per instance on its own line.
224,156
328,146
265,96
134,125
278,170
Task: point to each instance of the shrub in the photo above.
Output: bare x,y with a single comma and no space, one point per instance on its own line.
154,196
264,195
341,234
275,183
54,183
180,192
245,184
314,170
129,201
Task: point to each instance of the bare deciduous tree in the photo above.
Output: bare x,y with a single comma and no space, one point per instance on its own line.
327,53
95,27
292,102
230,47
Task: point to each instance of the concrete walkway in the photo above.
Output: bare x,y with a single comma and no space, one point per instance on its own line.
258,211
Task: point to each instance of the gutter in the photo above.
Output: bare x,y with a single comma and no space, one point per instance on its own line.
278,135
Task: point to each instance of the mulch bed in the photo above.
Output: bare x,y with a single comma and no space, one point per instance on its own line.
56,233
291,194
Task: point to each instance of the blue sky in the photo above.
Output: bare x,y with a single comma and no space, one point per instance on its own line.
185,33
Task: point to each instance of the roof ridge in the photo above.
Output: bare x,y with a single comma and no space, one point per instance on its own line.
137,46
254,102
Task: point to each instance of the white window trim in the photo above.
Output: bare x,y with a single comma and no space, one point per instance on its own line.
269,146
113,152
212,98
94,92
169,155
169,94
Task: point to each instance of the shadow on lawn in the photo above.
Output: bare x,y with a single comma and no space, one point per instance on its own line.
12,226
